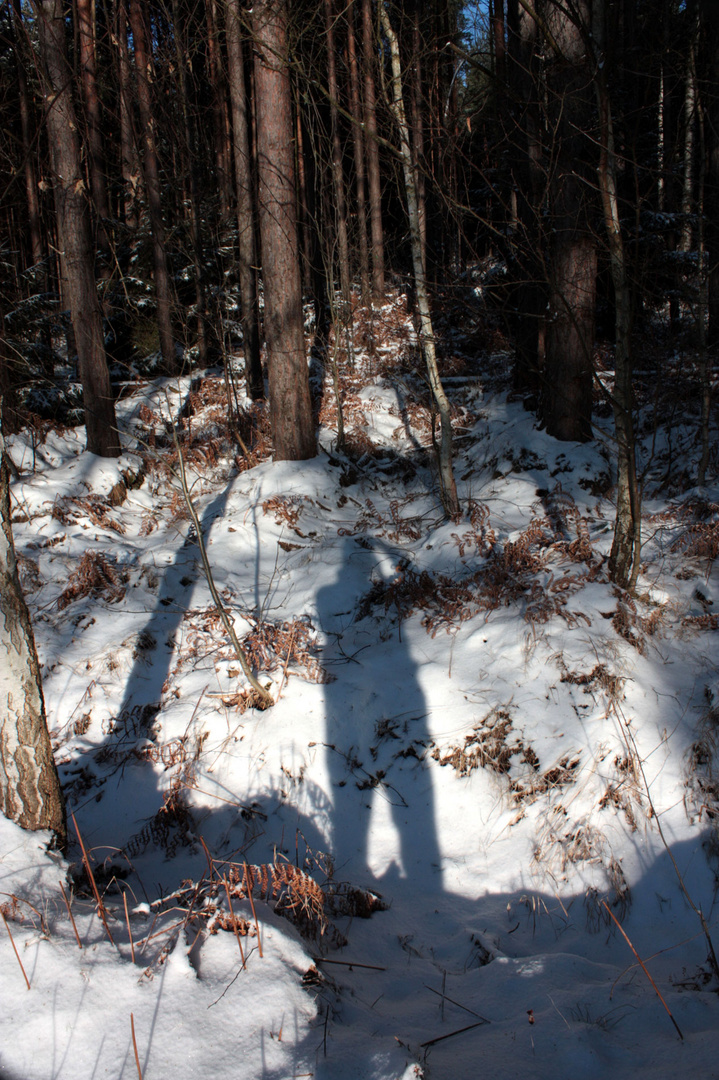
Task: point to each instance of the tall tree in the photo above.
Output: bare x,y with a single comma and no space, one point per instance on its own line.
290,403
444,452
246,216
74,234
30,792
359,151
373,169
86,25
568,376
151,169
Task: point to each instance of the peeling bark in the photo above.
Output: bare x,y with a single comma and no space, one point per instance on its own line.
30,792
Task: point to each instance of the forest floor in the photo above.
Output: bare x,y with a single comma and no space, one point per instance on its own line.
482,758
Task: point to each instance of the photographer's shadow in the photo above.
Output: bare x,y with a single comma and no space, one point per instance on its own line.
383,829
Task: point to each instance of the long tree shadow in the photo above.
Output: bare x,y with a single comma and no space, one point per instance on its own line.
376,732
135,792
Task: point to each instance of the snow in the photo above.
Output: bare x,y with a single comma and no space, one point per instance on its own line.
493,765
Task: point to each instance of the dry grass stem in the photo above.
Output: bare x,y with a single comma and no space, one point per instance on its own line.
14,947
643,966
72,918
134,1046
129,928
101,909
234,923
248,887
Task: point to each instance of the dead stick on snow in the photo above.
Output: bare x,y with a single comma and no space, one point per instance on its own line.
72,918
643,967
14,949
101,910
134,1046
441,1038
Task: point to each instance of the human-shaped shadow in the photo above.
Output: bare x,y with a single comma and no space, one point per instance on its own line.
383,829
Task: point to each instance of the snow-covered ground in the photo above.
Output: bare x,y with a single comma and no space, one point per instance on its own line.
477,742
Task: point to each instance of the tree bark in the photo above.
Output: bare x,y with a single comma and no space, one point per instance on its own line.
31,190
338,183
373,171
245,202
359,152
221,137
74,238
88,77
625,555
192,197
163,290
528,286
567,391
129,161
290,403
30,792
710,33
448,487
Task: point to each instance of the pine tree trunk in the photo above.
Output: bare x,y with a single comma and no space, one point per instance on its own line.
129,161
191,197
338,182
290,403
527,293
163,290
626,545
74,240
373,172
33,202
710,34
30,792
245,202
567,392
88,78
444,454
219,111
359,153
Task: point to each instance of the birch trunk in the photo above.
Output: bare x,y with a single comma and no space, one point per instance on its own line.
448,487
30,792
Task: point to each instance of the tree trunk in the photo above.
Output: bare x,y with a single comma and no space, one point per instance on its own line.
567,392
33,202
245,202
710,33
219,111
129,161
626,545
88,77
448,487
30,792
528,287
163,290
290,403
359,153
192,194
338,183
73,225
373,173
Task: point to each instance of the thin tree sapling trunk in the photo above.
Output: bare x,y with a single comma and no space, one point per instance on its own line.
448,486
